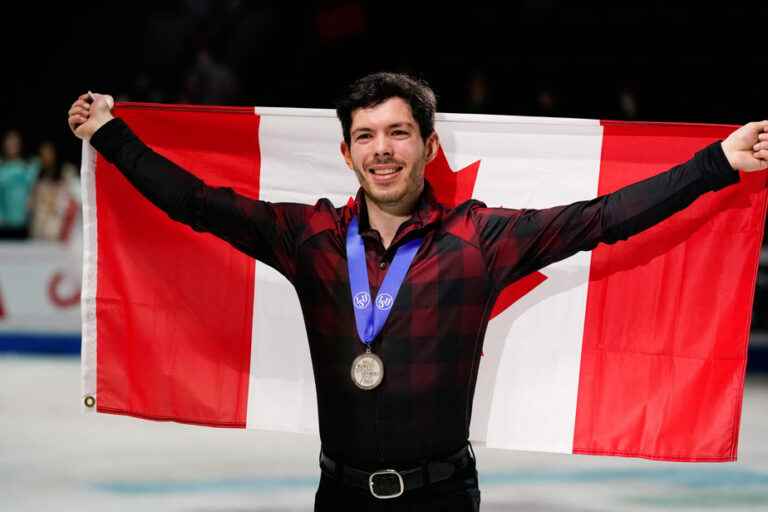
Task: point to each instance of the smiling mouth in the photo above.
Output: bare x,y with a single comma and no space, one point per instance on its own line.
384,171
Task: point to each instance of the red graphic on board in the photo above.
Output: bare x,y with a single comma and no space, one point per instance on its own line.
57,297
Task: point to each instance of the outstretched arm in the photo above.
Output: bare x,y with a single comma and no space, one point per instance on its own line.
517,242
263,230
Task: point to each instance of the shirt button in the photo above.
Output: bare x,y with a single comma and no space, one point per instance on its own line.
382,264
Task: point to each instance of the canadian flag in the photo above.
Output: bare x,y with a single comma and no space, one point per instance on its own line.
633,349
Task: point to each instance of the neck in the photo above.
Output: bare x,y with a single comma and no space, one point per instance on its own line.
386,218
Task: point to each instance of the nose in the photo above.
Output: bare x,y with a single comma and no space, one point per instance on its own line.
382,146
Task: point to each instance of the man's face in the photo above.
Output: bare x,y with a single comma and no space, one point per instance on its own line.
387,153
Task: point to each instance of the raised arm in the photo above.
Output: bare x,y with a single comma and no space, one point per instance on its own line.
517,242
266,231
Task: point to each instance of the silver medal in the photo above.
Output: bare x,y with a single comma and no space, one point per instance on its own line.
367,370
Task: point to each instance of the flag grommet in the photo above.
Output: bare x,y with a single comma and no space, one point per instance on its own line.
89,401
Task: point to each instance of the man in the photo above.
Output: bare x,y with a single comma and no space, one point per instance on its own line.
397,281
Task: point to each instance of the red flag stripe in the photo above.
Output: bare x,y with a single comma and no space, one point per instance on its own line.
652,385
156,323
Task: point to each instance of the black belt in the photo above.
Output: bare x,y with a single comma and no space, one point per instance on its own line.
389,483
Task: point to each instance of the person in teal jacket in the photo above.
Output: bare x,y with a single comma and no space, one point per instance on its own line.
17,176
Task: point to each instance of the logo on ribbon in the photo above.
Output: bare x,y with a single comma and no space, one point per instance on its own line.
362,300
384,301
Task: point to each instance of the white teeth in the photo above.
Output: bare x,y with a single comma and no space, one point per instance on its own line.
384,172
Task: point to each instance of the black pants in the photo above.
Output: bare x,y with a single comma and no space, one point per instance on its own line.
459,493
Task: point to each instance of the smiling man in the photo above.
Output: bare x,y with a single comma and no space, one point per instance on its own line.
388,153
396,289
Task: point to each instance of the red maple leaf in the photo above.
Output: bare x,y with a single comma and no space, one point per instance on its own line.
453,188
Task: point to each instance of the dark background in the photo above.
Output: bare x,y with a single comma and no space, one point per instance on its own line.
479,59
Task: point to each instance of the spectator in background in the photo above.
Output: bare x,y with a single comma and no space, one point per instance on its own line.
54,200
16,178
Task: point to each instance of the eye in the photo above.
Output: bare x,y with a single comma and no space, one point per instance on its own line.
363,136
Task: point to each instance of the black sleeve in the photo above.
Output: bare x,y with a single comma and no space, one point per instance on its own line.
266,231
519,241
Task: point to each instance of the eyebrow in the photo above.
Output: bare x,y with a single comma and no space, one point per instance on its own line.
394,125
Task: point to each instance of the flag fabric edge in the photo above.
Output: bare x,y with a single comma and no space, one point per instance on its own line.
88,287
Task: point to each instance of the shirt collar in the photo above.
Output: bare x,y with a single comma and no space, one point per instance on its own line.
428,210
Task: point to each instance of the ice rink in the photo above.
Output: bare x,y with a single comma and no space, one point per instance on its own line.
54,458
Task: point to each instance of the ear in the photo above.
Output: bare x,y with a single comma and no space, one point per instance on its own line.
432,145
346,153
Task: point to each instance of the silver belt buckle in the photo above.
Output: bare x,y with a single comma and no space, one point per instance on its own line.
387,474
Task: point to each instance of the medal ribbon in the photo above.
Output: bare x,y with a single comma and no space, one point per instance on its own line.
370,316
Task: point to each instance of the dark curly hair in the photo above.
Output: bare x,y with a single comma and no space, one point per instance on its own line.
373,89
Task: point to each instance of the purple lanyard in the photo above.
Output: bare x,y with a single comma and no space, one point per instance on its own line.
370,320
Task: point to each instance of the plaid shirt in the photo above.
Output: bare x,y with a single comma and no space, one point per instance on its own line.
431,343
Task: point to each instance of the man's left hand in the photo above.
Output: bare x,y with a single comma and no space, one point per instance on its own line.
747,148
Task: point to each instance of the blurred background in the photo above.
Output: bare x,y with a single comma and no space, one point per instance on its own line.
301,55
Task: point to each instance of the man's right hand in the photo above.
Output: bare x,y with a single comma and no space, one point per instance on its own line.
88,113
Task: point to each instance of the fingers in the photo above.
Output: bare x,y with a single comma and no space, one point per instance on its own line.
754,128
761,155
760,126
762,136
79,112
760,145
82,102
75,121
80,109
107,99
77,116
